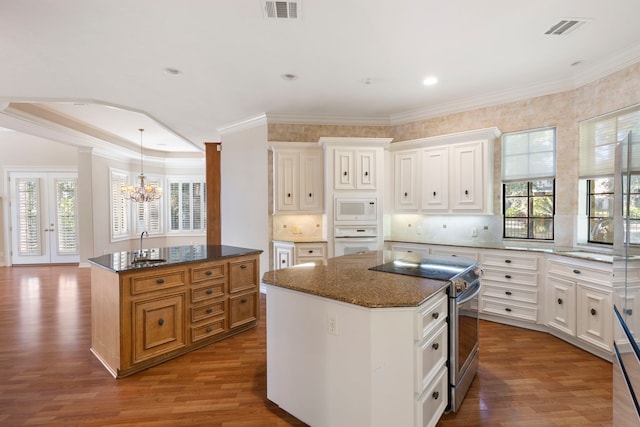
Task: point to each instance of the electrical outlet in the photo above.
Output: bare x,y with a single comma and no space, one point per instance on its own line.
474,232
332,324
419,229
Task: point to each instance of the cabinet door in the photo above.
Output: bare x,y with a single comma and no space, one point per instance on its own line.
435,179
366,170
561,305
594,317
287,176
406,171
243,275
311,182
243,309
468,176
158,326
344,170
283,256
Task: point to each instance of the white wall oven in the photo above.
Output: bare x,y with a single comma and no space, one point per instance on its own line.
353,239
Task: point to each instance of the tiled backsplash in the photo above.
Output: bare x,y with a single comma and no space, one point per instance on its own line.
298,227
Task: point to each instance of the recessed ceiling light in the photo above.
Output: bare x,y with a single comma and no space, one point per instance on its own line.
430,81
172,71
367,80
289,77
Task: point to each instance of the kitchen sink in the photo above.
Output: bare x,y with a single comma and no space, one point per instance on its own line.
148,261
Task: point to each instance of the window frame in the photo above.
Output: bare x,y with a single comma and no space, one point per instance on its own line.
529,218
118,178
190,181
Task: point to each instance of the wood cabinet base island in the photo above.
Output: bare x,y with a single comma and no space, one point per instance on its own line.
146,309
347,346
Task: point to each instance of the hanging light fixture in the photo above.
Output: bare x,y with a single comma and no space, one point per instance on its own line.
145,192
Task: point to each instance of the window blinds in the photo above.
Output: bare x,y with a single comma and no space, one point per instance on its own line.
598,139
529,155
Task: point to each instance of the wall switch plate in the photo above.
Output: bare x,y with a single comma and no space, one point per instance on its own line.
474,232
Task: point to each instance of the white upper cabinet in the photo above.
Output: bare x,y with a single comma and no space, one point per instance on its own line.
447,174
354,169
299,179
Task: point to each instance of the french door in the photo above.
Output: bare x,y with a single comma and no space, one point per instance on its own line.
44,217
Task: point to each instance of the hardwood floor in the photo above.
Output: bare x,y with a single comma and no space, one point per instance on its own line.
49,377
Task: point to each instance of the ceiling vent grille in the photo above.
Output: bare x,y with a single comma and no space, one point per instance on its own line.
282,9
566,26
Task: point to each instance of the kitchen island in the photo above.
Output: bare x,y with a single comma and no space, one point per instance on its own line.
349,346
152,306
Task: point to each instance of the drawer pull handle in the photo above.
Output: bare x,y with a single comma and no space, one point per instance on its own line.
209,329
310,195
406,194
243,300
435,395
507,310
209,291
508,261
560,301
435,346
161,322
508,292
434,194
208,273
209,310
507,276
593,312
284,261
243,266
310,251
435,315
160,281
576,271
628,311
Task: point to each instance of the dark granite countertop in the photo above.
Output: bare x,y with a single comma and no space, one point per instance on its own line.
348,279
159,257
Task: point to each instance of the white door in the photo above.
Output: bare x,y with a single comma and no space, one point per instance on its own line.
44,218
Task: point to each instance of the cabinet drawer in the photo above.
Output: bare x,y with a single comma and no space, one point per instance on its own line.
243,275
158,281
307,250
207,291
206,331
431,404
207,311
431,315
581,272
510,293
431,355
207,272
243,309
509,276
506,308
511,261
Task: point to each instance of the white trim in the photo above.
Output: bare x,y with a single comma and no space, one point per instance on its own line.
348,141
248,123
327,120
452,138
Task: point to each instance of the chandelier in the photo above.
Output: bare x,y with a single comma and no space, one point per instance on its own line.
144,192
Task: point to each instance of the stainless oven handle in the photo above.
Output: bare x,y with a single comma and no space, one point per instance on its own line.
473,294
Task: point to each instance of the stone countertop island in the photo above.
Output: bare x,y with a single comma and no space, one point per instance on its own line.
347,346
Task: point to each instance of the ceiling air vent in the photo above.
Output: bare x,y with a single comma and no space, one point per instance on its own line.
281,9
565,26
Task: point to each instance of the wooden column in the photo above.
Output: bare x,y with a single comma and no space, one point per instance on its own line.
214,227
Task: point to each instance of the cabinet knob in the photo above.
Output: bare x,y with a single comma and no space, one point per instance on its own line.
310,251
243,300
208,273
508,292
289,195
435,315
345,173
435,395
507,276
507,261
593,312
284,261
434,194
508,310
310,195
209,291
406,194
366,174
466,192
560,301
435,346
209,329
243,266
576,271
161,322
209,310
628,311
160,281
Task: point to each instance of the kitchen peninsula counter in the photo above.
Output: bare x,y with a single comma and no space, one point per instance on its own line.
348,279
149,308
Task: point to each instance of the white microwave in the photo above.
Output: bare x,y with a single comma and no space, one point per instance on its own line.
356,209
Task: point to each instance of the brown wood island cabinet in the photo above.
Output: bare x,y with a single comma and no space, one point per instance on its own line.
151,308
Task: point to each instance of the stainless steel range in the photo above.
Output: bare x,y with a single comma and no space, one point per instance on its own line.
463,276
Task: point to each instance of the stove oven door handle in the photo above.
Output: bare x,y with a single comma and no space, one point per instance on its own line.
474,293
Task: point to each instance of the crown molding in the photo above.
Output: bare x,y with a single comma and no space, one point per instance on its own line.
249,123
327,120
616,62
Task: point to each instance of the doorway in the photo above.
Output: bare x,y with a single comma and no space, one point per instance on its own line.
44,217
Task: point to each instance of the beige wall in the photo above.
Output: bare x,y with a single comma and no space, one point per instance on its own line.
563,110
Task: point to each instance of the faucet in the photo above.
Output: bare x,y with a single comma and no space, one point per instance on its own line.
144,233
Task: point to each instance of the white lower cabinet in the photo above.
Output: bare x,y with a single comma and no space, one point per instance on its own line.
579,302
288,254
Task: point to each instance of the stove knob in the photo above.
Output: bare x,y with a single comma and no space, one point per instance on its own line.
461,285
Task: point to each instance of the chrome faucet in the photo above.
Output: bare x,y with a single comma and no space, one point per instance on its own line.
144,233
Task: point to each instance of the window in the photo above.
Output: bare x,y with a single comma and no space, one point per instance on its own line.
599,139
147,215
528,176
188,205
119,206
